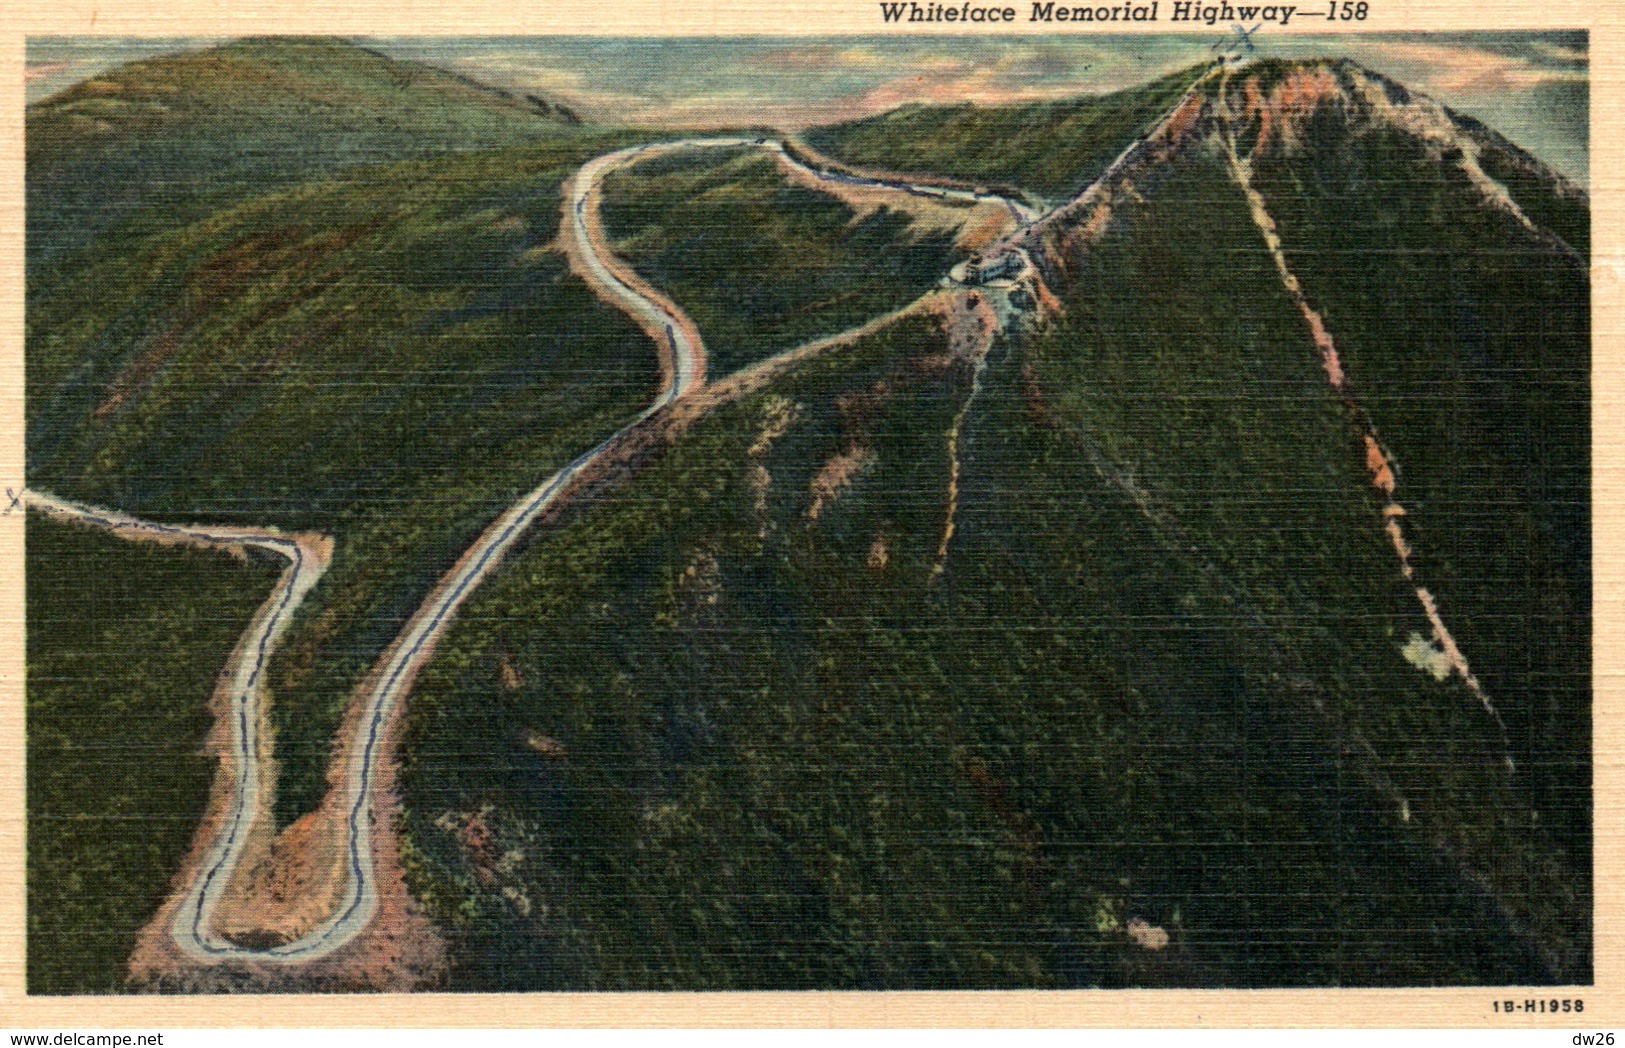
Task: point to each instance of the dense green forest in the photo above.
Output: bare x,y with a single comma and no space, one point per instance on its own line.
159,142
125,643
762,265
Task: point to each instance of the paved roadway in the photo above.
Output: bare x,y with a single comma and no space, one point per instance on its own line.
307,560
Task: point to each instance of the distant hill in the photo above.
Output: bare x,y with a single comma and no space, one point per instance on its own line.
1052,149
154,142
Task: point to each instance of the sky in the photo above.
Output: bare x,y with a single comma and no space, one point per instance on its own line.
1532,87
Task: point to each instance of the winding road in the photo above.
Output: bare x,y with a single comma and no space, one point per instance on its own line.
683,364
307,559
683,356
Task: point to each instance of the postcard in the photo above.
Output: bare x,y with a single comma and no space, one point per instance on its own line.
992,514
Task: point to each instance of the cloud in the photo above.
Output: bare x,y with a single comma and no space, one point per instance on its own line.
980,86
1457,70
1559,53
820,57
41,70
529,71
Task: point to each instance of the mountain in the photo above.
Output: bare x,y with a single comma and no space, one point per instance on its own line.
181,135
1441,276
1221,620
